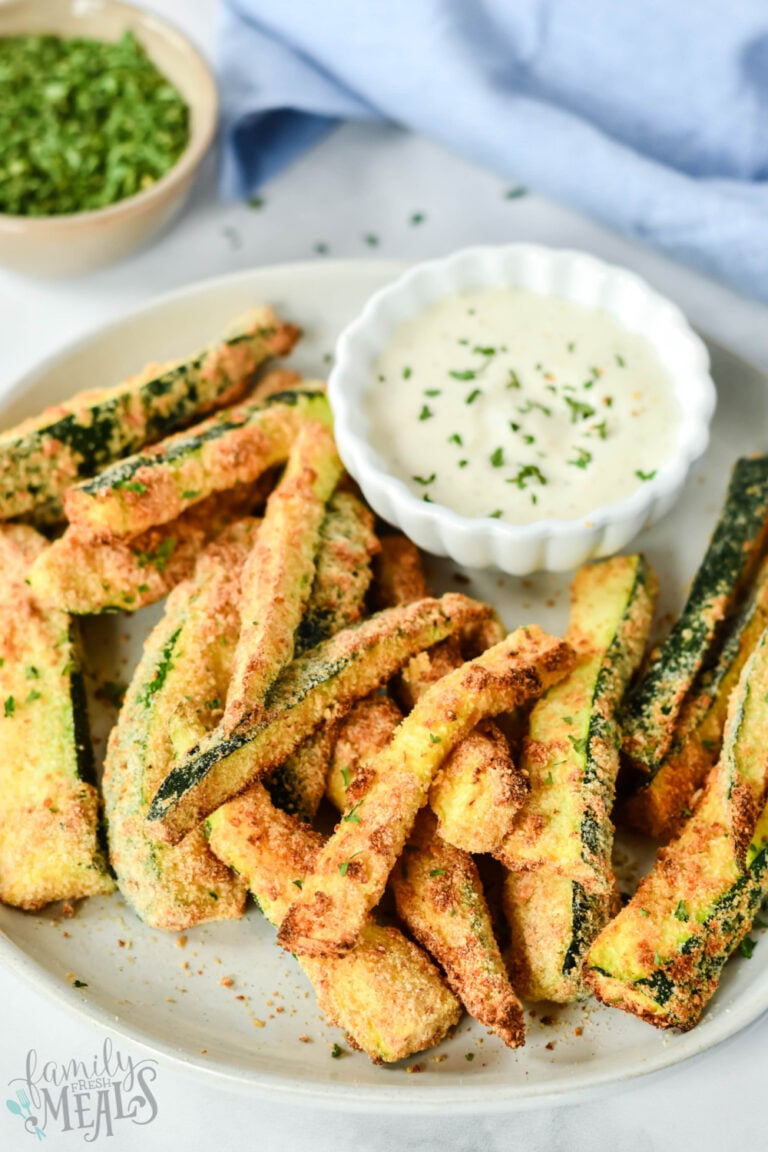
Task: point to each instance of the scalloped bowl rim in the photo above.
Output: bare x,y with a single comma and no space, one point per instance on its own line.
351,377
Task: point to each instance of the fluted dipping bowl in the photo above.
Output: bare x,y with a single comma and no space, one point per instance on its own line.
548,544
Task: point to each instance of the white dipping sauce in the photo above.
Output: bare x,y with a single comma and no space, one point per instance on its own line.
500,402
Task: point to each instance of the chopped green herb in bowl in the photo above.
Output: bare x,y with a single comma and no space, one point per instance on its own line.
84,123
106,112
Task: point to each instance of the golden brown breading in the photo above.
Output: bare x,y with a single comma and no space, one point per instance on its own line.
279,573
84,577
479,789
318,687
385,993
352,869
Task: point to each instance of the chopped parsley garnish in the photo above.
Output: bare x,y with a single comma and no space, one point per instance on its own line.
497,458
473,396
298,883
484,351
497,515
352,817
601,429
131,486
579,744
515,193
513,380
747,947
407,373
466,375
9,708
424,480
79,983
583,458
456,439
433,391
345,776
426,412
528,472
645,475
344,866
371,239
681,912
33,695
531,405
336,1051
437,872
433,739
417,218
620,361
579,411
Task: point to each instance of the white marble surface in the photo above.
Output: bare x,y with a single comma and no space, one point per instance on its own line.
356,194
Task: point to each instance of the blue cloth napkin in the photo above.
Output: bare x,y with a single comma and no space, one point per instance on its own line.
648,115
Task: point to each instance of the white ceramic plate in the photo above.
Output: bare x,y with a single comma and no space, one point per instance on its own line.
273,1039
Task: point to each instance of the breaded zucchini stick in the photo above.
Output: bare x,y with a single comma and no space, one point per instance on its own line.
84,577
337,600
43,456
653,705
663,955
661,805
478,790
318,687
278,575
385,992
352,869
49,848
437,887
561,889
186,664
235,446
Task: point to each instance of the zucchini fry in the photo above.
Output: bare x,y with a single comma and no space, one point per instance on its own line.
278,575
49,848
561,889
81,576
236,446
663,955
351,870
478,790
437,888
186,664
320,686
337,600
43,456
661,805
653,705
385,992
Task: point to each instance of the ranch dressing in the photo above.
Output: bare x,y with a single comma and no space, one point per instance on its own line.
500,402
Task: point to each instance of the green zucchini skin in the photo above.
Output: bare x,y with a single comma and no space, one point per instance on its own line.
663,955
185,666
660,805
318,686
560,890
734,551
42,457
337,600
235,447
49,818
